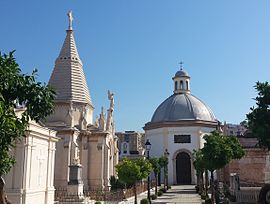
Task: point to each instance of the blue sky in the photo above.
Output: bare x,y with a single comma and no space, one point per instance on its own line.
133,48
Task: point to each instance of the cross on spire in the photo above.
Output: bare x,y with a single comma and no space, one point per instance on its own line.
181,65
70,19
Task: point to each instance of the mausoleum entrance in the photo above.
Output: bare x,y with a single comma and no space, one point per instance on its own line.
183,168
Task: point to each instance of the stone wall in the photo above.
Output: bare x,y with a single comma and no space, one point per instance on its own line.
253,168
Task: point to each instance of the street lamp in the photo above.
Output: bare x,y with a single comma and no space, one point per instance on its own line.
166,154
148,147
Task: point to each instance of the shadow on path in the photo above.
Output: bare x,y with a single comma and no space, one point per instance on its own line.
180,194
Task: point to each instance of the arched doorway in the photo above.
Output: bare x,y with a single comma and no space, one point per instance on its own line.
183,168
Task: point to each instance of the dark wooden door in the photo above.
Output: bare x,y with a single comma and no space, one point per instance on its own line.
183,168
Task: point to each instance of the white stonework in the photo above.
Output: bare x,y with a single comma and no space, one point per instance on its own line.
99,156
163,138
68,77
178,126
94,146
31,179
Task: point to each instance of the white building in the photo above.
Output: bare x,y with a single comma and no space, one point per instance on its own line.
91,145
234,129
31,178
178,126
131,144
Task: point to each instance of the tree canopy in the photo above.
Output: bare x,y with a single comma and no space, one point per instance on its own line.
198,160
156,169
219,150
17,88
155,165
258,120
163,161
132,171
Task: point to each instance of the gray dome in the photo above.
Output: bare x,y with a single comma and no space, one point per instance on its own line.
181,73
183,107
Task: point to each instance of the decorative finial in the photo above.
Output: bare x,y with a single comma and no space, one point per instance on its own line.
181,65
70,19
102,110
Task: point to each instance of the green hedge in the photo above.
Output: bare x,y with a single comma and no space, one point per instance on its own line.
145,201
154,197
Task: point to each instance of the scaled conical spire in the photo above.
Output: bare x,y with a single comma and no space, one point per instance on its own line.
68,77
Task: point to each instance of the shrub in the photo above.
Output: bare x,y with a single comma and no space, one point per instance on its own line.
197,189
204,196
163,190
232,198
97,202
226,190
145,201
160,193
116,183
154,197
207,201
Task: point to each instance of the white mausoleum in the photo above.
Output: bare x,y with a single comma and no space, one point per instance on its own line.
92,145
31,180
177,127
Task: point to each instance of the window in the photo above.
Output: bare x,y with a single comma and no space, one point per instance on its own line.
187,85
181,85
126,138
182,139
125,147
175,85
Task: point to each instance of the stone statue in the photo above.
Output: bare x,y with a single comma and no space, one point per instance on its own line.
113,128
75,151
84,112
70,19
70,113
110,112
84,118
111,98
97,122
219,128
101,120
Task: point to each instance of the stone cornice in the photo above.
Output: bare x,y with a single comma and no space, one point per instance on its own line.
41,132
75,103
180,123
66,130
94,133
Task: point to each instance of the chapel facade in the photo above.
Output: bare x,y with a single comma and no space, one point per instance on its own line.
177,128
92,145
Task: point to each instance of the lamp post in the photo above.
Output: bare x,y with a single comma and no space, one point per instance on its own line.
166,154
148,147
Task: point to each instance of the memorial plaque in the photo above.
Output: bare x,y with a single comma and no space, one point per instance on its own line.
182,139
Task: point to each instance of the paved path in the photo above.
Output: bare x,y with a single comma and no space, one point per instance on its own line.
184,194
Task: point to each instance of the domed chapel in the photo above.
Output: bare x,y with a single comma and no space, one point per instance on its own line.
177,128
